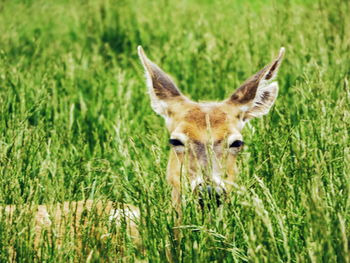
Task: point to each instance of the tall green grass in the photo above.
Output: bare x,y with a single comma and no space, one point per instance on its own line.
76,124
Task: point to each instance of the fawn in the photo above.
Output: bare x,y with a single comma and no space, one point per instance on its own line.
206,137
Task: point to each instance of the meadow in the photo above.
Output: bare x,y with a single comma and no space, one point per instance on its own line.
76,124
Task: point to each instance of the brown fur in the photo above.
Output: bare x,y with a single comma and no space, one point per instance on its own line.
70,219
205,128
199,118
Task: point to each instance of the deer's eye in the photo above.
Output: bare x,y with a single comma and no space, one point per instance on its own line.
175,142
236,144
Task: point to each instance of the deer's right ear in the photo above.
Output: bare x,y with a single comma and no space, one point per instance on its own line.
161,88
256,96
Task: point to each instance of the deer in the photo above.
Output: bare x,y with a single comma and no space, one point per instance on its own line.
206,137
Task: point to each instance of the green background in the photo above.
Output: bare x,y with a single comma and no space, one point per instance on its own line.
76,124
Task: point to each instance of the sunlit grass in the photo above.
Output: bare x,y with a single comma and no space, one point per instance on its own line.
76,124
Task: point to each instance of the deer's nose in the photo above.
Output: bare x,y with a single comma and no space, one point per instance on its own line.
210,194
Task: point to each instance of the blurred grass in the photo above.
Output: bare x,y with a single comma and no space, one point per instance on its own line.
75,123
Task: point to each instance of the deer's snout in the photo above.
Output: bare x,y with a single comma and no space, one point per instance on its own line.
208,194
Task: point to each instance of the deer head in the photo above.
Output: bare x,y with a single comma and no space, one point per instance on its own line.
206,137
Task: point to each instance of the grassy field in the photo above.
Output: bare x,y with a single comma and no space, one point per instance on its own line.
76,124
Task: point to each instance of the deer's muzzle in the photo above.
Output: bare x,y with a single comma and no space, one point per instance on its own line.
210,194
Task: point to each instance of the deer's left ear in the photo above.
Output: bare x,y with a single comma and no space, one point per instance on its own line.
256,96
162,90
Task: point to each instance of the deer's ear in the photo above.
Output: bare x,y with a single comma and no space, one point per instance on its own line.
256,96
161,88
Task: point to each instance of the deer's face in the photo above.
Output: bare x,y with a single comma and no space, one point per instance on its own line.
206,138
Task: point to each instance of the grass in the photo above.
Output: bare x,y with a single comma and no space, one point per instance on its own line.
76,124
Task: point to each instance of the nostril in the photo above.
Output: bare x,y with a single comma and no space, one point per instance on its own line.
210,190
219,193
218,199
211,193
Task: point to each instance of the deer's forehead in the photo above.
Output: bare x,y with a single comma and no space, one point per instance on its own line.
202,117
202,121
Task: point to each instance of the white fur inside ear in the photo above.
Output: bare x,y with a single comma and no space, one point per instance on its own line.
264,99
159,106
